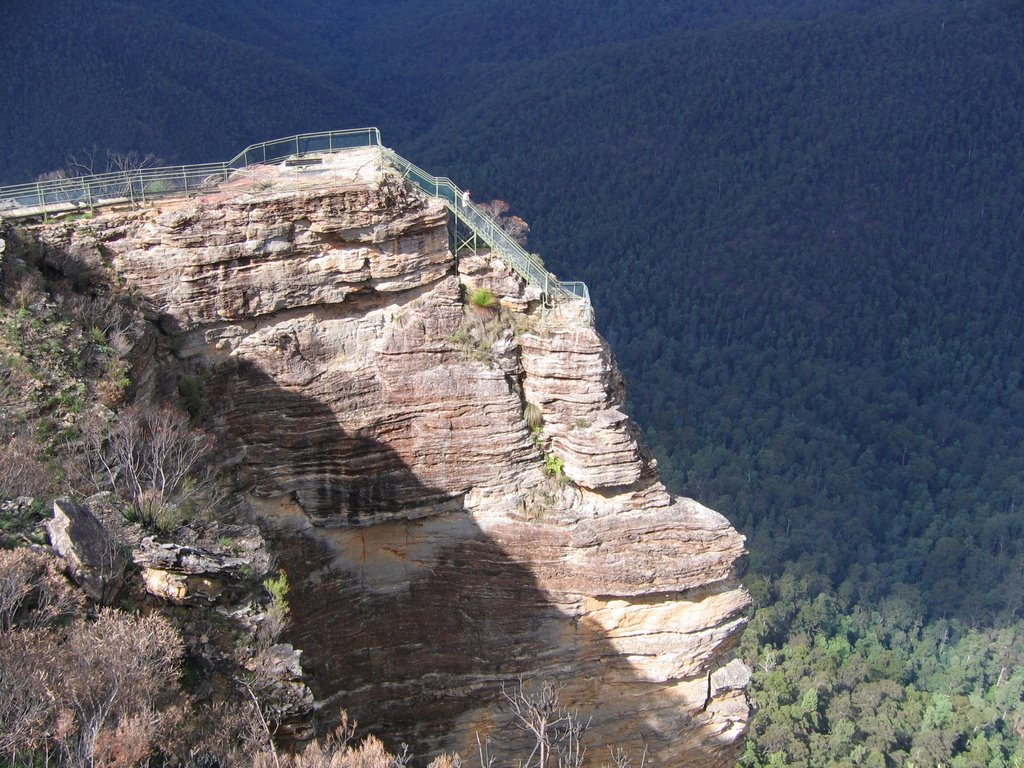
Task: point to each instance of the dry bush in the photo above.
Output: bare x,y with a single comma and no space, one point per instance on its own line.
152,458
34,592
445,760
27,715
105,311
218,733
370,754
91,693
336,750
124,745
21,286
21,471
121,663
514,226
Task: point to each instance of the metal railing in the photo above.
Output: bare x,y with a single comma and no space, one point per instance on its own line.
144,184
524,263
73,192
304,144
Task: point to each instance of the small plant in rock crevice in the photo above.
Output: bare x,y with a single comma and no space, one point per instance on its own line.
479,332
554,466
483,299
277,612
534,417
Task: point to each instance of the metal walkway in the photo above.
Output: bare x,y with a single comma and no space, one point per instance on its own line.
76,193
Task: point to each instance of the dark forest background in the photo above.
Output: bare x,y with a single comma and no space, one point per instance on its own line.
802,225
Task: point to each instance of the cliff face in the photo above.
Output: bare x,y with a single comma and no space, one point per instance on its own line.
435,544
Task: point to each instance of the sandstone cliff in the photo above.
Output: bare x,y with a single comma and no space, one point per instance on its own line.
436,545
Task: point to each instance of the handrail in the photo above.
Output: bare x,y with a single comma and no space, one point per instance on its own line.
524,263
143,184
304,144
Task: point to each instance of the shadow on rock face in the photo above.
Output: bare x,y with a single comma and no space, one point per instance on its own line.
409,616
412,626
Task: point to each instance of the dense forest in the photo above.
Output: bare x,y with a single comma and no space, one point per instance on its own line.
801,224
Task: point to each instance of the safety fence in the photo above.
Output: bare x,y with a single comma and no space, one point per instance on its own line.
524,263
62,195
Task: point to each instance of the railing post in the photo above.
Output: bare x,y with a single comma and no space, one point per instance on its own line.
184,178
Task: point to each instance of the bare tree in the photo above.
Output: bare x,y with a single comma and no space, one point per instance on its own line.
131,160
538,712
65,184
513,225
93,160
150,456
621,758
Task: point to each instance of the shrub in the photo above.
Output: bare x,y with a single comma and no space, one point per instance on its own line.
34,593
483,298
192,390
554,466
533,416
513,225
94,693
277,613
153,459
22,473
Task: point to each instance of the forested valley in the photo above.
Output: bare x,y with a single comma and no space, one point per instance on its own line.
802,227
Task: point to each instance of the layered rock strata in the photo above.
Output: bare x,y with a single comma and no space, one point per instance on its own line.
436,545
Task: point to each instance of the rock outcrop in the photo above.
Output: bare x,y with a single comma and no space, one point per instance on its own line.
436,545
95,560
197,573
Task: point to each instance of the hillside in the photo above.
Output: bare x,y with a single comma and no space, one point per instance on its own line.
191,82
807,256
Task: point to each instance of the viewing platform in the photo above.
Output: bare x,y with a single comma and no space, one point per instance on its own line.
309,161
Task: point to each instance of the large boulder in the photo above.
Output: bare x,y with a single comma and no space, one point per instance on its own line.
94,559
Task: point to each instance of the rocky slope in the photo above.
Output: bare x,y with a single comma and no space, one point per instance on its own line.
436,545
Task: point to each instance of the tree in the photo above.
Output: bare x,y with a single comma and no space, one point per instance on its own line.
152,457
512,225
539,713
